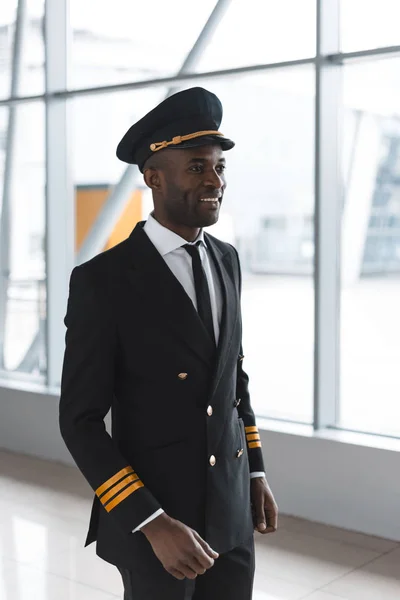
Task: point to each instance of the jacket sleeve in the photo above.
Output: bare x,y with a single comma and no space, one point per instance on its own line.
87,389
256,461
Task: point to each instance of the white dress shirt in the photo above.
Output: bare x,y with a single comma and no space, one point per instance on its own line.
170,246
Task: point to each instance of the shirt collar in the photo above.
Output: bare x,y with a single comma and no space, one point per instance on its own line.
164,239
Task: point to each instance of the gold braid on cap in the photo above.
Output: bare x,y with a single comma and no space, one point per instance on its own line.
181,138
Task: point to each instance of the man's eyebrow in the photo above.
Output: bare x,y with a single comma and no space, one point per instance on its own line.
204,160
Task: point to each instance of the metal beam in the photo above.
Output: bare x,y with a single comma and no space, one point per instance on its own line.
60,206
194,78
6,216
359,55
328,206
60,226
203,40
337,58
16,100
107,219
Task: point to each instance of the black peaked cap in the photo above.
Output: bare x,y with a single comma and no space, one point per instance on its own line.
184,120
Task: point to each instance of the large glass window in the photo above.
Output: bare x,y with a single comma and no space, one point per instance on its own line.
370,326
131,42
99,123
29,69
261,31
369,24
268,209
23,282
269,216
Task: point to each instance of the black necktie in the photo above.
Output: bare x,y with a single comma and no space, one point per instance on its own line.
202,291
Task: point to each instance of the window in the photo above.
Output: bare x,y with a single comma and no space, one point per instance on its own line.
98,124
370,327
270,181
29,72
369,24
23,321
272,173
131,42
261,31
269,207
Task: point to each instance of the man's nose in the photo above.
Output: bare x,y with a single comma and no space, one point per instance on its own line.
213,179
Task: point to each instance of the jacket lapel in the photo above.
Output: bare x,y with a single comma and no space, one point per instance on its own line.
164,296
223,263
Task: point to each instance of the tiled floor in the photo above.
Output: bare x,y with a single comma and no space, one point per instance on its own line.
43,516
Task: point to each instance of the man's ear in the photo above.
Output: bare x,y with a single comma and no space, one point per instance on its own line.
152,178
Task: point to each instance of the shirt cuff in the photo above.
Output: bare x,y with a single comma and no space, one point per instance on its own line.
151,518
257,474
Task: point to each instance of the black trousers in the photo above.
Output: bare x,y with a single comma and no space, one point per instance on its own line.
231,578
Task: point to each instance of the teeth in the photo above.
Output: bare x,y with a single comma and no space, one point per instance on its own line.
209,200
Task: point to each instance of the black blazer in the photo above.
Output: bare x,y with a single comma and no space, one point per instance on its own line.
136,344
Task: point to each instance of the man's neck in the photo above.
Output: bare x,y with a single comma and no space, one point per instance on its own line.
190,234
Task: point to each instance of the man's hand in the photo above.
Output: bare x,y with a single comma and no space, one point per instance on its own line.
181,551
265,509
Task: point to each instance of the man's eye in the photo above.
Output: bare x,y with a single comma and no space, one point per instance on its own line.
196,168
221,168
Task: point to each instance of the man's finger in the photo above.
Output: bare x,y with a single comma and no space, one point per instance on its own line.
272,518
268,530
175,573
186,570
196,565
207,549
204,559
260,515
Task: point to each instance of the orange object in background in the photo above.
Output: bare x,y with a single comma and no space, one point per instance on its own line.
89,200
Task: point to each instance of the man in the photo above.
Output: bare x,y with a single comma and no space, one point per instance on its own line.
154,333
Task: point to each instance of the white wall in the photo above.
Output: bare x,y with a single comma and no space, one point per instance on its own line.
29,424
325,480
333,482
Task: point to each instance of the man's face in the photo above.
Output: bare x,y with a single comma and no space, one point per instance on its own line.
192,185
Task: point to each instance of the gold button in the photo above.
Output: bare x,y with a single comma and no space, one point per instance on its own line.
182,376
210,411
212,460
239,453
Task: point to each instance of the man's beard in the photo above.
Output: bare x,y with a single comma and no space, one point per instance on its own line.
186,211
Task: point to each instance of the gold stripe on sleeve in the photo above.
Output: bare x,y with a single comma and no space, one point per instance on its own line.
127,492
255,445
252,429
118,487
253,436
107,484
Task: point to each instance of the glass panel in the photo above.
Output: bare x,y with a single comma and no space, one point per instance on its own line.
31,69
370,327
262,31
371,24
131,43
98,124
7,23
26,305
268,214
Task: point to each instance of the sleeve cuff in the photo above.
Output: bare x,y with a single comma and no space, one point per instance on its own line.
257,474
151,518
